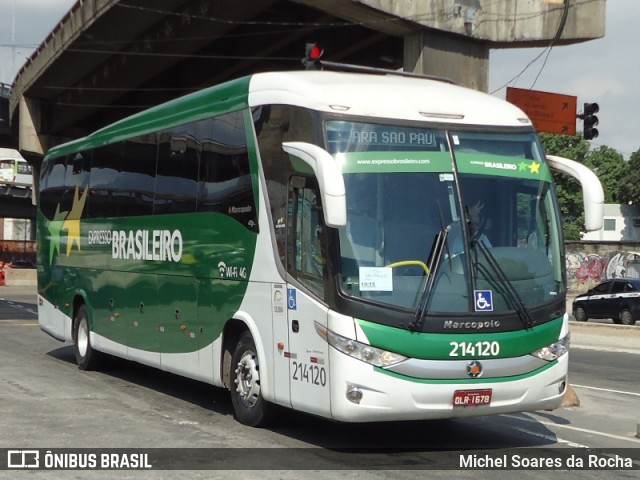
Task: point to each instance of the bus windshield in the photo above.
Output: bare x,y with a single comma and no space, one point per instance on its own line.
490,192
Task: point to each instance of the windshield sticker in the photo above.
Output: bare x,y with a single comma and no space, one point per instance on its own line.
483,300
392,162
503,166
378,279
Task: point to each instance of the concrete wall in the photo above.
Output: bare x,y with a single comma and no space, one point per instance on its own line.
16,277
588,263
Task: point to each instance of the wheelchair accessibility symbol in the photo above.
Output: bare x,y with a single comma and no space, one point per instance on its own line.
291,299
483,300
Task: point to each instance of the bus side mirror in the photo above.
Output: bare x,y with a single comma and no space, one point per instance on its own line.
329,177
591,189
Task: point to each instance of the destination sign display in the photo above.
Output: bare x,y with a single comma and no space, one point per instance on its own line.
352,136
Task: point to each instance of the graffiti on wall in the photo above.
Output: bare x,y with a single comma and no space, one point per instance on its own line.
586,270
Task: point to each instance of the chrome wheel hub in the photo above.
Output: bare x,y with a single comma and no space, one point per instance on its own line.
248,379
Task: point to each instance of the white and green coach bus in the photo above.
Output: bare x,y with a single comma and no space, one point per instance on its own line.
359,247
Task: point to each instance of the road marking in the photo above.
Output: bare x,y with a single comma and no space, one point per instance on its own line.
575,429
18,323
606,349
550,438
607,390
17,305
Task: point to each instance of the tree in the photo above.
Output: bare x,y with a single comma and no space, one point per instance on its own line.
606,162
611,169
568,189
569,146
629,190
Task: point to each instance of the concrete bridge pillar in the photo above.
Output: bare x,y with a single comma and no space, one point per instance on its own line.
30,128
463,60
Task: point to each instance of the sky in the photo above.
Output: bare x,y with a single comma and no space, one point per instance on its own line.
605,71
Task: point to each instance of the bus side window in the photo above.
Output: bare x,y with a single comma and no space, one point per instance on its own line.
176,174
53,192
225,184
139,171
103,182
77,174
306,239
24,168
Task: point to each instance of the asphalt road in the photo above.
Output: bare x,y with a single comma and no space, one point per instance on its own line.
47,403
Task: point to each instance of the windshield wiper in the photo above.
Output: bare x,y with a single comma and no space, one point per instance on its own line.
437,250
509,289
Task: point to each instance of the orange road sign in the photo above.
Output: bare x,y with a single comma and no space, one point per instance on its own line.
549,112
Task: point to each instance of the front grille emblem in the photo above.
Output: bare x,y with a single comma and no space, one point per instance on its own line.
474,369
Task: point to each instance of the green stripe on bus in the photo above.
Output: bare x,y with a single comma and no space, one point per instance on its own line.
437,346
160,305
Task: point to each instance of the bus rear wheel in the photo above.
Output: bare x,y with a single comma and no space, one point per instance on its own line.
248,404
86,357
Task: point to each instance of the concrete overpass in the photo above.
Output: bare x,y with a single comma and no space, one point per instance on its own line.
110,58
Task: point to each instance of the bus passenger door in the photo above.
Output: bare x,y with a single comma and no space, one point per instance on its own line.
179,329
306,254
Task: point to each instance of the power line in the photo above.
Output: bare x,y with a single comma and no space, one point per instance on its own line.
547,50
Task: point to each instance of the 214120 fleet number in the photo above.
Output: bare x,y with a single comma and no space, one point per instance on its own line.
309,373
474,349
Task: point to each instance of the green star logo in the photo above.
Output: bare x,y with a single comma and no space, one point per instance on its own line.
69,221
72,222
54,227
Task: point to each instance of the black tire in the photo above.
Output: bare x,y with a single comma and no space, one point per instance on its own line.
580,314
86,357
626,318
248,404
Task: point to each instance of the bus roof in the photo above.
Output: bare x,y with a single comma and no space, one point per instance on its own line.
10,154
379,96
384,96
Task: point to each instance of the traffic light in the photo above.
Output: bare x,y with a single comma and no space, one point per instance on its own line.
312,54
590,120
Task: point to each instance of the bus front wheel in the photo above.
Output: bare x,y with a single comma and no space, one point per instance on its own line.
86,357
248,404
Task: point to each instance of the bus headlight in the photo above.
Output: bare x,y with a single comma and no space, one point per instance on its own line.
366,353
554,350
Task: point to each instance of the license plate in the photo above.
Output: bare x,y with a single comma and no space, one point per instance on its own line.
471,398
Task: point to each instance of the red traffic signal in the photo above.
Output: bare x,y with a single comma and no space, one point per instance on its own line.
312,54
